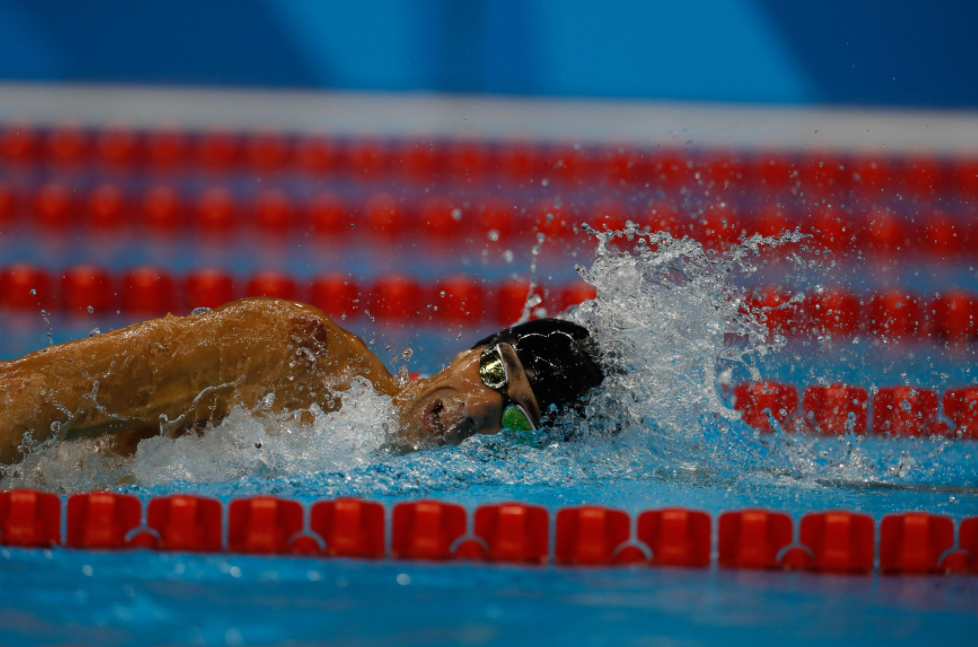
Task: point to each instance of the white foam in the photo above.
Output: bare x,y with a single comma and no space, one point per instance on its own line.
244,444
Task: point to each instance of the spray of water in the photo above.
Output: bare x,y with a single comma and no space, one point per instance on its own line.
245,444
673,328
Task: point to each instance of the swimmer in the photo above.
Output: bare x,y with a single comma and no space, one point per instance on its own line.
175,375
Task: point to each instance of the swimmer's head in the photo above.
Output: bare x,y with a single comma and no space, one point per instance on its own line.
547,366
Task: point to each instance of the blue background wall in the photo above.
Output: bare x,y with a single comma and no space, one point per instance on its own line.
901,52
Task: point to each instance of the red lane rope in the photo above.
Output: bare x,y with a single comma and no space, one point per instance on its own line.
149,291
519,533
218,212
844,408
893,314
466,161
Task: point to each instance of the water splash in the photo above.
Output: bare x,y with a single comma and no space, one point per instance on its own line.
674,328
664,314
245,444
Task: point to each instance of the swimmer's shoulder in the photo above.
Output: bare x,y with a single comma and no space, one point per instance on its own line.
271,309
309,327
302,319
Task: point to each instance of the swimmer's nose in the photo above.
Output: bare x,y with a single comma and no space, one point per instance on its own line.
481,413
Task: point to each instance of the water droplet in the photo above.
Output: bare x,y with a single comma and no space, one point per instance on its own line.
456,214
33,292
493,235
91,309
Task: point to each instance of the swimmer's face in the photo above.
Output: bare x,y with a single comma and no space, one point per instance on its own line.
454,404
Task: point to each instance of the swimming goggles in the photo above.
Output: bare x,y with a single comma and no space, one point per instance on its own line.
492,370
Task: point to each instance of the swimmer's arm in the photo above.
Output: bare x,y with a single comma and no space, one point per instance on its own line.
180,371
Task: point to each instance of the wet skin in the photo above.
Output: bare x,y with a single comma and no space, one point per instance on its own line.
454,403
175,374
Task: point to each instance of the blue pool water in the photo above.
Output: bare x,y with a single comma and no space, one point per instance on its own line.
140,597
69,597
667,317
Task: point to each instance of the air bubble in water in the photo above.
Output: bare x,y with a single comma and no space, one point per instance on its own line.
493,235
94,332
199,311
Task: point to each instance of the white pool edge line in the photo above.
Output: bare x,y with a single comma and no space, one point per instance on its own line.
398,115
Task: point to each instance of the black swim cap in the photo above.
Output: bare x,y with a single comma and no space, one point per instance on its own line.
559,357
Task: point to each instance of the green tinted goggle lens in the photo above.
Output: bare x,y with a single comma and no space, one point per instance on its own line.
516,419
